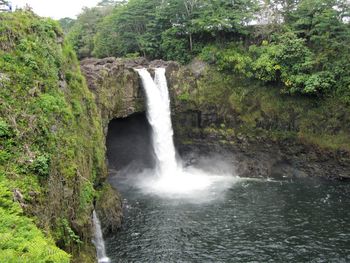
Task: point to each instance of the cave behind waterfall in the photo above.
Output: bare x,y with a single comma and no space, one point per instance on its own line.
129,143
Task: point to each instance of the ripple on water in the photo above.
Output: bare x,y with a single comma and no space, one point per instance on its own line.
252,221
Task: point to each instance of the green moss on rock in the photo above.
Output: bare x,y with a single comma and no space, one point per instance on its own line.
52,144
109,209
258,110
20,239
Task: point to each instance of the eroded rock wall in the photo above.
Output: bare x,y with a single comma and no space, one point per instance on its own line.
118,94
264,131
267,134
116,87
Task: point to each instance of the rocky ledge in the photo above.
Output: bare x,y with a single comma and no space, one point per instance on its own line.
198,127
116,85
118,94
270,159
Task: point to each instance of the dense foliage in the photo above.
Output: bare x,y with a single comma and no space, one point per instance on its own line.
247,109
51,141
302,46
83,30
51,148
20,239
171,29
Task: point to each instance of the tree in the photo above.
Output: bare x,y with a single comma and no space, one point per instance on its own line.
66,24
298,46
323,25
83,31
110,3
131,27
223,18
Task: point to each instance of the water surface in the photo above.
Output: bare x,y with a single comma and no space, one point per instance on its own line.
299,220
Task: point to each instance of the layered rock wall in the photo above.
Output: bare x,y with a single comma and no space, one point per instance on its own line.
205,121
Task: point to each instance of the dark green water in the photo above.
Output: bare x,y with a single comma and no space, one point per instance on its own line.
303,220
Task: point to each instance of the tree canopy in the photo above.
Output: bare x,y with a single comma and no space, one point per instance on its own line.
300,45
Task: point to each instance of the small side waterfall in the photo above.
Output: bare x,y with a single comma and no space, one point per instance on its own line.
98,240
159,117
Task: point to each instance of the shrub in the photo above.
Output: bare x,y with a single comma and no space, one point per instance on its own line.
175,45
25,242
5,130
41,165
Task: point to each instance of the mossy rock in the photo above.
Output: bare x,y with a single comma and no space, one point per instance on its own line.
52,144
109,209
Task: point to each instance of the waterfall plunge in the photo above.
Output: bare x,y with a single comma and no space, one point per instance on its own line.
171,178
158,115
98,240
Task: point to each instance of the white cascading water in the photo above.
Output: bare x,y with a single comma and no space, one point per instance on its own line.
98,240
171,177
158,115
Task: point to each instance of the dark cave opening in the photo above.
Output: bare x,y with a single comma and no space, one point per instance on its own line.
129,142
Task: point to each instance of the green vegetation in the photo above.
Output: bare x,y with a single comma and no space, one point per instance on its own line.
51,150
277,69
20,239
279,66
301,46
171,29
66,24
287,61
246,109
83,30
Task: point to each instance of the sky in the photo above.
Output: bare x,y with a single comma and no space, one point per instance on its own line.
56,8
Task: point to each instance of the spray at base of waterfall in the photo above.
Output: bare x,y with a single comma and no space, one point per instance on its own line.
170,178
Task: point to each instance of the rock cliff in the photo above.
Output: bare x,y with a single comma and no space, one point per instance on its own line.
260,142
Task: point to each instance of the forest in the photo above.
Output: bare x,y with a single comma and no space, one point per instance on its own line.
277,75
300,46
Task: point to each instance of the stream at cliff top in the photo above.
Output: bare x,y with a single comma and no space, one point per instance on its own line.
299,220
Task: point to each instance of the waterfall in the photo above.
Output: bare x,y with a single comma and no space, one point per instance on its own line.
98,240
159,117
172,179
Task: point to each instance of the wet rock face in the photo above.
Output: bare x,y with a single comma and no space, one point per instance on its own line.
270,159
109,209
117,86
118,92
257,156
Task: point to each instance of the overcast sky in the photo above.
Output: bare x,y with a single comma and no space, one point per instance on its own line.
56,8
